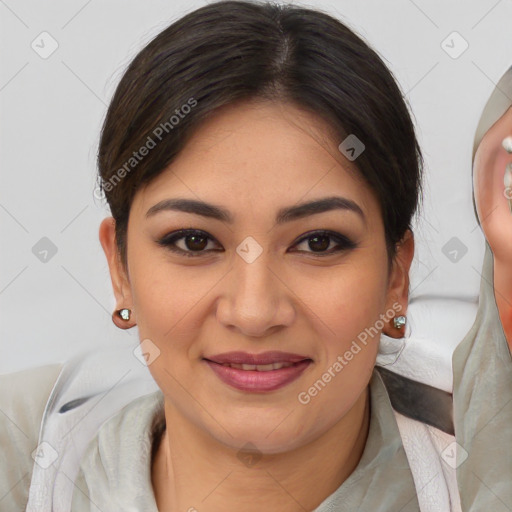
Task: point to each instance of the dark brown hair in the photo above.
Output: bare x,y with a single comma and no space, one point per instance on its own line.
231,51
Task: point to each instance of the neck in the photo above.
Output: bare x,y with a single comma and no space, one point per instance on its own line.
192,471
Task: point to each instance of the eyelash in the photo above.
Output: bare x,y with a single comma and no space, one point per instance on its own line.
170,239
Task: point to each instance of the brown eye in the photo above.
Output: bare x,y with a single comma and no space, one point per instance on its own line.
320,241
195,242
191,241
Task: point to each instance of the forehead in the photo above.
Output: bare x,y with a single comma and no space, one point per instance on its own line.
257,156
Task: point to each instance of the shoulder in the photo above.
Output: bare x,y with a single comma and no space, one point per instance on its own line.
125,441
23,397
424,418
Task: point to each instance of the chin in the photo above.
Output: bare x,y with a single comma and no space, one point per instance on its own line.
264,437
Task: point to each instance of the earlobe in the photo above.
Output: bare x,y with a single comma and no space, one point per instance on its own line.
120,281
398,288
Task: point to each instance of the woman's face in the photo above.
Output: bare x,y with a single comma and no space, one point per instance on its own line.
257,279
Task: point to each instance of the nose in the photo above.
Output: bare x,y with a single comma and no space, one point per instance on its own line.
256,300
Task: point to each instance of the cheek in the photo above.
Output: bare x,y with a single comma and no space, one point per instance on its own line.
169,312
166,297
350,298
344,308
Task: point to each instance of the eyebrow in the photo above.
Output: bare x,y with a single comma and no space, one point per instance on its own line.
287,214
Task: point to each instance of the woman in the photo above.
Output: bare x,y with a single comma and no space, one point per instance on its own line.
482,363
262,172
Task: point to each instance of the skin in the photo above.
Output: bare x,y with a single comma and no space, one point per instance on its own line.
494,213
253,159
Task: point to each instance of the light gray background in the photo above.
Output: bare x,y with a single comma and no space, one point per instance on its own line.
51,115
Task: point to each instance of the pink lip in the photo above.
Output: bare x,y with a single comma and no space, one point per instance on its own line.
274,356
254,380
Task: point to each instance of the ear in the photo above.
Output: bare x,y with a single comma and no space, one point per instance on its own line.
118,274
398,284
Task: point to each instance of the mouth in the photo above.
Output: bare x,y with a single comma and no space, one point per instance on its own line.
258,367
262,359
258,372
